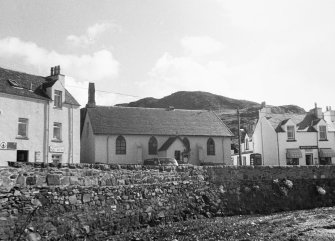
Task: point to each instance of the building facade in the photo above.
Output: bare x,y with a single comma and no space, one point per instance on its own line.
295,139
129,135
247,151
39,119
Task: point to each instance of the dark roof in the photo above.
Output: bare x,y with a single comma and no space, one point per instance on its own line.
169,142
303,122
153,121
31,86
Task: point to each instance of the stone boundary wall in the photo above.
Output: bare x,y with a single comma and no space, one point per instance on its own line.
94,201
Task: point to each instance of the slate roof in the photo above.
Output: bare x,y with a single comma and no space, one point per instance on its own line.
26,81
304,122
153,121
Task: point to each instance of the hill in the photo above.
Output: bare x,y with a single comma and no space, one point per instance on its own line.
225,107
193,100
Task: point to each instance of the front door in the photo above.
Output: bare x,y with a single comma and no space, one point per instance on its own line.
177,156
309,159
22,156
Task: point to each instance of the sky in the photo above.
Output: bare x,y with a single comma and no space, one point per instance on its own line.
280,52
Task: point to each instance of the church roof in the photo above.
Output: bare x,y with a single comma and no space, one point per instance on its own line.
154,121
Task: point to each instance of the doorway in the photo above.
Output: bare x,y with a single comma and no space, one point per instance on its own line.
177,156
309,159
22,156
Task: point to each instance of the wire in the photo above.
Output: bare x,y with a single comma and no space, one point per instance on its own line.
109,92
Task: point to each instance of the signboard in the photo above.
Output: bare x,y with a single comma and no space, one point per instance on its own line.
308,147
7,145
58,149
37,156
3,145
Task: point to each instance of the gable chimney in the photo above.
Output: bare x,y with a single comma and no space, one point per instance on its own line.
91,96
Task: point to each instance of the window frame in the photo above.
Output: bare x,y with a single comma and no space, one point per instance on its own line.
292,161
120,146
25,122
58,99
323,138
290,131
152,146
57,125
210,147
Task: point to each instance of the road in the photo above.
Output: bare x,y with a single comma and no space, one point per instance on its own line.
315,224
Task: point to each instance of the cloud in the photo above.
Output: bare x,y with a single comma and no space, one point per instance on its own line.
92,34
201,45
95,67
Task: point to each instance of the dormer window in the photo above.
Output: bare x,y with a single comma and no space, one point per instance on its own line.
323,132
58,99
290,133
14,84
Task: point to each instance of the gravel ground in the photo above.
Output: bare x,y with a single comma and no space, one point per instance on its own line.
315,224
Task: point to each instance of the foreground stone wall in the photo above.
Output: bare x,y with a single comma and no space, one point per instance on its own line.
98,200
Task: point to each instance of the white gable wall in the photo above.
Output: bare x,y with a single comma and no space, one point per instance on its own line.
265,142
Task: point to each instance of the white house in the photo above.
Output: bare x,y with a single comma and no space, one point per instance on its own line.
247,151
295,139
127,135
39,119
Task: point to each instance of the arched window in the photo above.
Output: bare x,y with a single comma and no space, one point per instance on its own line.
187,144
120,145
210,147
153,146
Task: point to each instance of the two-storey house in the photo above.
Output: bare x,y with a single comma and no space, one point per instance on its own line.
294,139
39,119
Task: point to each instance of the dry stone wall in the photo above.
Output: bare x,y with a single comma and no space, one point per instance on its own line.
96,201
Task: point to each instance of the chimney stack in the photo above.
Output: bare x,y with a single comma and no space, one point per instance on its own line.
91,96
55,70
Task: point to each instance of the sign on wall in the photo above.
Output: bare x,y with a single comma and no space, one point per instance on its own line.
308,147
7,145
37,156
58,149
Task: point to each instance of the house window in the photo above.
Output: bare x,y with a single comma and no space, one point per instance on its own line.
22,128
323,132
57,131
290,133
120,146
210,147
153,146
244,161
58,99
292,161
246,144
325,161
187,144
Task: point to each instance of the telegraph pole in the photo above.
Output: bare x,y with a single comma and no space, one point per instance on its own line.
239,136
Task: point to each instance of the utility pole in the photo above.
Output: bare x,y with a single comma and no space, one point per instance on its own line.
239,136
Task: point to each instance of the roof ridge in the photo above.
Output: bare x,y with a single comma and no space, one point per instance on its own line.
154,108
20,72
